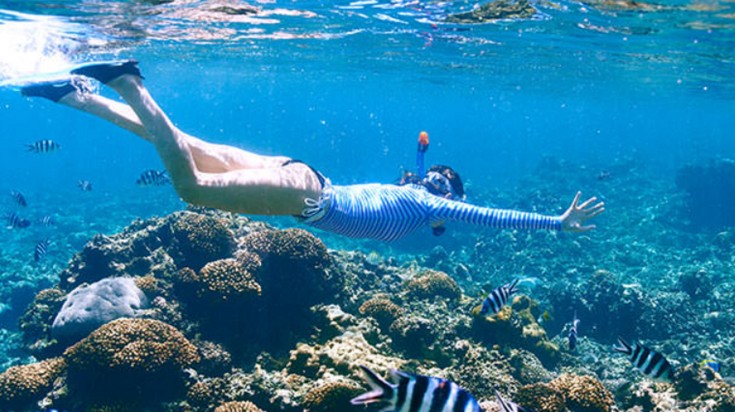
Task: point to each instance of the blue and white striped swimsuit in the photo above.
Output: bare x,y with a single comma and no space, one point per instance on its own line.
390,212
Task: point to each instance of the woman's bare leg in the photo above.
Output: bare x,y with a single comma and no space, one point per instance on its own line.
208,157
273,190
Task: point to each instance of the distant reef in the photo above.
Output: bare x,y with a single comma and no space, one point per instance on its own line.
217,312
710,193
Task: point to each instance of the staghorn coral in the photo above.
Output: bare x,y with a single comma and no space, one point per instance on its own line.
36,323
142,356
23,385
238,406
383,310
430,284
226,279
198,239
331,396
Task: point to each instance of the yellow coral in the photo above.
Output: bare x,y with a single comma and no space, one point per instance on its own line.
432,283
238,407
21,385
583,393
331,396
228,278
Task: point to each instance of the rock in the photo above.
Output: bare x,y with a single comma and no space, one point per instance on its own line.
88,307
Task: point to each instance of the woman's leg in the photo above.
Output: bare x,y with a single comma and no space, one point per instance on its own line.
208,157
270,190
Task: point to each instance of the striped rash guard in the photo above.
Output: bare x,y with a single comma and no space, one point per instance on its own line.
389,212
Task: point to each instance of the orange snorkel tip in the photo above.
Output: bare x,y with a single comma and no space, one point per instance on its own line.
424,139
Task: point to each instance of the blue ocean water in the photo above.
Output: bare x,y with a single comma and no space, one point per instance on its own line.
347,87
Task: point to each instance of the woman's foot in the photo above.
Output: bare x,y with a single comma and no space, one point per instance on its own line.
52,90
105,72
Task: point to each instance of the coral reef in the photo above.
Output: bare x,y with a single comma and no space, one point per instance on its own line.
21,386
432,284
226,279
198,239
331,396
131,356
383,310
238,407
567,392
88,307
36,323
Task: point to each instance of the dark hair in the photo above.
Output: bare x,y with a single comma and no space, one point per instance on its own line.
452,176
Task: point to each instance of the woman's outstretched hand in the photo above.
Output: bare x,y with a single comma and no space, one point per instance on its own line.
573,220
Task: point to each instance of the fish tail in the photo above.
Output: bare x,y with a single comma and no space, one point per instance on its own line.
623,347
381,390
512,287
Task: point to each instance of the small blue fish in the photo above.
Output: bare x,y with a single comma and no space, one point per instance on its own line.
712,364
153,178
43,146
13,221
573,333
41,249
85,185
496,300
651,363
416,393
19,199
508,406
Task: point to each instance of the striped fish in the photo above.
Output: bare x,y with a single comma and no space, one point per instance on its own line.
41,248
47,220
18,198
43,146
651,363
153,178
416,393
573,333
496,300
13,221
508,406
85,185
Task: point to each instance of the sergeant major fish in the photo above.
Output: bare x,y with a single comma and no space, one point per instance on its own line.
13,221
85,185
153,178
416,393
18,198
573,333
43,146
651,363
496,299
41,248
508,406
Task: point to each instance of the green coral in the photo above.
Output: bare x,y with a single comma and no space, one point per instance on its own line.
430,284
26,384
199,239
331,396
142,356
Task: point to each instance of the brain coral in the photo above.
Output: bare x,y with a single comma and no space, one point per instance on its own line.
238,407
331,396
198,239
125,356
431,284
26,384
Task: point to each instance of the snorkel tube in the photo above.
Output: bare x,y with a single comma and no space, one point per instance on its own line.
422,148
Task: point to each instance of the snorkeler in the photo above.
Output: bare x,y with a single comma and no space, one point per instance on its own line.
234,180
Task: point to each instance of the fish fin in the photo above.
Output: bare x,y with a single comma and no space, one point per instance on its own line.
512,286
381,390
477,311
623,346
